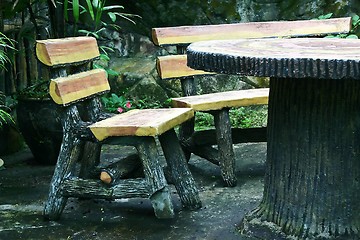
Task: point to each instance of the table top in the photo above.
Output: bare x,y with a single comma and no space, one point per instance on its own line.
328,58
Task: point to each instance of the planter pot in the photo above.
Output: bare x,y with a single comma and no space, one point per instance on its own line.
40,125
10,140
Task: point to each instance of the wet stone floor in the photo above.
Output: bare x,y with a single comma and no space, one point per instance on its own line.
24,186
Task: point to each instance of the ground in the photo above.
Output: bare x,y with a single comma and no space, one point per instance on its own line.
24,186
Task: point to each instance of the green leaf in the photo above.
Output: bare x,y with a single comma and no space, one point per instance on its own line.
104,57
352,36
76,10
112,16
107,8
355,19
112,72
326,16
66,3
91,9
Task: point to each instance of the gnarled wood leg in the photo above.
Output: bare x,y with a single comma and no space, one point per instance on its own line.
69,153
154,175
187,128
181,175
225,146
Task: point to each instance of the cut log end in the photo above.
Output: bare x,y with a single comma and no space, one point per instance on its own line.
105,177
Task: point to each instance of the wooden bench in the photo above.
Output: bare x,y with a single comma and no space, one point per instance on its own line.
78,87
218,104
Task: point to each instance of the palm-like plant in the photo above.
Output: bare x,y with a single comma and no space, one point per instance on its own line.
5,43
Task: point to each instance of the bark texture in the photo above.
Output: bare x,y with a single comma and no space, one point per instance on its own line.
313,168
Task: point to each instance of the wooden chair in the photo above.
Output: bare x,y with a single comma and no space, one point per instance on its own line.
218,104
75,87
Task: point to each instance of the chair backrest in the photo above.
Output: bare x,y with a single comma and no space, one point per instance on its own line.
190,34
175,66
76,53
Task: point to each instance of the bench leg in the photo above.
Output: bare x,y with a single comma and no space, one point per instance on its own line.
225,146
154,175
187,128
90,159
69,154
181,175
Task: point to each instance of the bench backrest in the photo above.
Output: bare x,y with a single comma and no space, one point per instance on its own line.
190,34
59,54
175,66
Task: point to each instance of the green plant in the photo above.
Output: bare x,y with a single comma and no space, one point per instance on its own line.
5,117
95,11
119,104
116,104
5,43
243,117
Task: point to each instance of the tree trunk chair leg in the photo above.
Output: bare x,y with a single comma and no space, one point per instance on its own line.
187,128
225,146
154,175
89,159
70,153
179,170
92,150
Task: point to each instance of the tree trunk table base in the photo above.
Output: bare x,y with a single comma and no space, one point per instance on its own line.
313,166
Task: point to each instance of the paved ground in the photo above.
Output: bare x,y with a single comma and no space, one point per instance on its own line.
24,186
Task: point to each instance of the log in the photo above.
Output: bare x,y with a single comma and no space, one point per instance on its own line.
72,50
190,34
70,153
154,175
121,169
127,188
174,66
144,122
225,146
65,90
220,100
180,173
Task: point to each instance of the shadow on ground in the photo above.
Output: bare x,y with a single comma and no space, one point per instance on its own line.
24,186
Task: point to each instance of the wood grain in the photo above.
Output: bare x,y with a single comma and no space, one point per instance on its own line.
65,90
144,122
216,101
325,58
190,34
53,52
175,66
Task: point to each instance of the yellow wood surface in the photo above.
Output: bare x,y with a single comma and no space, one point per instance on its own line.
189,34
174,66
65,90
62,51
216,101
144,122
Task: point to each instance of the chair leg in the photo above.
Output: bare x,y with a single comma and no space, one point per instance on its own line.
154,175
185,132
69,154
225,146
181,175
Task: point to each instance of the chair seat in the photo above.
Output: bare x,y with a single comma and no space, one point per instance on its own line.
217,101
144,122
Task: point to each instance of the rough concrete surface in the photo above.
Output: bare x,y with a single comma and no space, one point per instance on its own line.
24,186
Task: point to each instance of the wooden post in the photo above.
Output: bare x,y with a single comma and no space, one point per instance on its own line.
181,175
154,175
225,146
69,154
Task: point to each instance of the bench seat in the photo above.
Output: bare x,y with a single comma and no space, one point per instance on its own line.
220,100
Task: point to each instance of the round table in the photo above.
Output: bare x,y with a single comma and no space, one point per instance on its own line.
311,188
